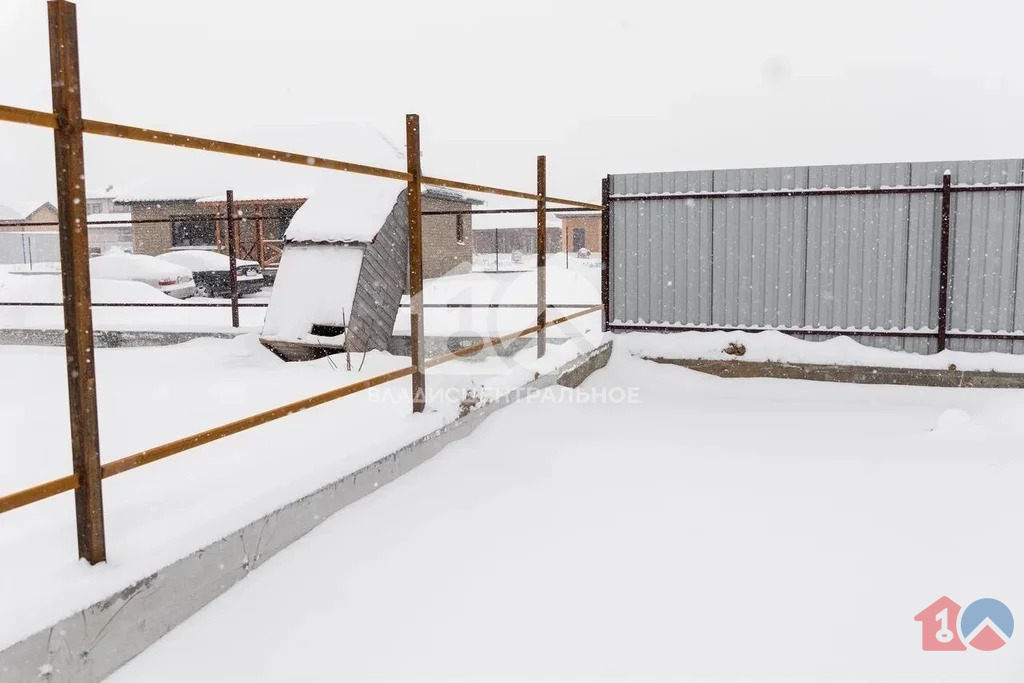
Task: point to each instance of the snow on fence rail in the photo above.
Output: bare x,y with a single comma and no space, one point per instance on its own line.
68,125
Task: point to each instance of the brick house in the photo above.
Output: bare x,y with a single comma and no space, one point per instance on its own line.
198,223
583,229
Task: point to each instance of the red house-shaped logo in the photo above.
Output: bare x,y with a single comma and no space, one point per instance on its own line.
939,627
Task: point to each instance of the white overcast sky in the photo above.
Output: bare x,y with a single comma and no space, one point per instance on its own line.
598,86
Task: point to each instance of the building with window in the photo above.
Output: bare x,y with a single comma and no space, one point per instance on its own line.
583,230
163,224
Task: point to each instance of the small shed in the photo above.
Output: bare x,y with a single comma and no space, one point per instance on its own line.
345,266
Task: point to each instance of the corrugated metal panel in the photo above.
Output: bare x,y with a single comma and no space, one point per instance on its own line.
866,261
382,281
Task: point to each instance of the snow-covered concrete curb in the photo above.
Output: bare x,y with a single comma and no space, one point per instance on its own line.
89,645
113,338
776,347
853,374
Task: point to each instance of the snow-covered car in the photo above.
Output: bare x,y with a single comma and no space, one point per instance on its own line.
517,256
169,278
583,253
212,272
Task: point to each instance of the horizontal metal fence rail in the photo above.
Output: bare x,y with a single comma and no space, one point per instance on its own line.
69,483
69,125
821,332
819,192
265,305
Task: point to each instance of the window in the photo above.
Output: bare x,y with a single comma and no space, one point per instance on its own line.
460,229
193,231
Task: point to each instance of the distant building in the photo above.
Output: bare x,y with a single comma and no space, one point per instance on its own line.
12,214
198,223
506,233
109,231
583,229
101,203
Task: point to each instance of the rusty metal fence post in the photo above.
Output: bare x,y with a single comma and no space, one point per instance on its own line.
943,304
542,254
606,223
415,208
232,259
74,258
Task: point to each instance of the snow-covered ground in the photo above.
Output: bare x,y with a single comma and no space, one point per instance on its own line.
706,530
579,285
161,512
47,289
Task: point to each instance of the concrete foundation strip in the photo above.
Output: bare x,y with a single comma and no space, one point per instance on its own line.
856,374
89,645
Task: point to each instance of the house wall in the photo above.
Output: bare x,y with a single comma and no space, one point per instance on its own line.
152,239
591,224
443,254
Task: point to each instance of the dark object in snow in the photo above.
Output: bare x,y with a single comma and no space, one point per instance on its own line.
952,367
735,349
469,403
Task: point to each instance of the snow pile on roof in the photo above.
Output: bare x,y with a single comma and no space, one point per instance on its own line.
346,208
110,220
316,285
777,346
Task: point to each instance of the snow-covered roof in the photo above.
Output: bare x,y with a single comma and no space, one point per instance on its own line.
111,220
19,211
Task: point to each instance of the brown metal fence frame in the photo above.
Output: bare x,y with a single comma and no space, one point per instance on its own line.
69,126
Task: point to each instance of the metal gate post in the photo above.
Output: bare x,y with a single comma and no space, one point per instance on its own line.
943,304
74,260
415,207
606,224
542,255
229,203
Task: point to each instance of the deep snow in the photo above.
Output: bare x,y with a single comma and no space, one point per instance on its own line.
714,530
164,511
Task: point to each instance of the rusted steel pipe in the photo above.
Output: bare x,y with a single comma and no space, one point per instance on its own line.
542,255
35,494
69,157
415,224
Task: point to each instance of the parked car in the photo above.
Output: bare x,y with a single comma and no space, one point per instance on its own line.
211,271
583,253
169,278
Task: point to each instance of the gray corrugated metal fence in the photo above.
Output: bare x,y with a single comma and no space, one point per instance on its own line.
851,262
